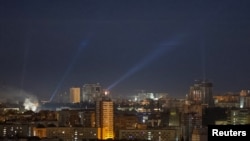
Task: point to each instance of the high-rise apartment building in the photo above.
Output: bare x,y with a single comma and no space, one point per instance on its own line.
91,92
244,99
105,118
201,93
75,95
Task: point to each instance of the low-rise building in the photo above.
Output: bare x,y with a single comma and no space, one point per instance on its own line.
153,135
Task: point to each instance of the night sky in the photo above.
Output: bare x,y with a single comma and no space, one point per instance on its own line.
46,47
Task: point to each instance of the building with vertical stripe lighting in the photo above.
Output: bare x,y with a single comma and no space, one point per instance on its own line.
105,117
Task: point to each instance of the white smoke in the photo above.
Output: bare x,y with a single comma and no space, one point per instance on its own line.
30,104
18,96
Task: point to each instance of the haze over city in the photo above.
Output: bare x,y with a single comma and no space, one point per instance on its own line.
46,47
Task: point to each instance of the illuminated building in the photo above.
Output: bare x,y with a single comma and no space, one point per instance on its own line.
174,117
244,99
14,130
90,92
153,135
66,133
201,93
105,118
75,95
227,100
40,132
238,116
230,99
72,133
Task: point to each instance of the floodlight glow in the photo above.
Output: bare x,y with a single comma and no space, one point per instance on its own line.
158,52
67,71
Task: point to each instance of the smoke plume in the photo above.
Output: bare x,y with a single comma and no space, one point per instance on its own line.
17,96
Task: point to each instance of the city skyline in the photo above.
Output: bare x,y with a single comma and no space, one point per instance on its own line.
47,47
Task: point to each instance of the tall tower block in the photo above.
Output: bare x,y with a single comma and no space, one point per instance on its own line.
105,117
91,92
201,93
75,95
